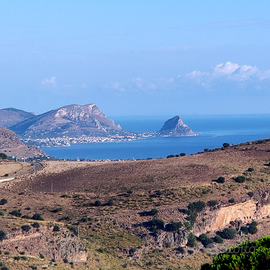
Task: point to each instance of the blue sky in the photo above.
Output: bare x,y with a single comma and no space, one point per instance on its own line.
136,57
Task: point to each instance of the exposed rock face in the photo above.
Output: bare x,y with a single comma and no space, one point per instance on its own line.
172,239
11,116
175,127
72,120
11,145
239,213
54,245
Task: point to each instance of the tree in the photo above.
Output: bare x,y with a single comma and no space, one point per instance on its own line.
37,216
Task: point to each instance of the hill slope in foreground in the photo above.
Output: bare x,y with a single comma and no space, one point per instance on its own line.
136,214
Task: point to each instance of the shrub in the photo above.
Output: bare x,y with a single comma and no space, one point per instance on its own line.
2,235
173,226
170,156
212,203
37,216
240,179
191,240
250,169
129,191
180,249
228,233
152,212
225,145
3,156
221,179
97,203
158,223
41,256
202,237
26,227
231,200
16,213
244,229
110,202
196,206
26,217
58,209
1,213
188,225
3,201
56,228
66,218
252,229
35,225
182,154
73,229
16,258
218,239
192,218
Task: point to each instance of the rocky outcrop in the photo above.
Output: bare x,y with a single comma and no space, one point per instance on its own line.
68,121
59,246
235,214
172,239
11,145
175,127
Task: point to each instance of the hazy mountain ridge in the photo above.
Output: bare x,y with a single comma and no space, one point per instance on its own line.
12,116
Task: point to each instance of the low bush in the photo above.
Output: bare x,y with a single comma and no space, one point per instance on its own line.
212,203
231,200
110,202
3,201
250,169
240,179
37,216
152,212
244,229
26,228
221,179
225,145
218,239
56,228
1,213
191,240
97,203
2,235
196,206
180,249
58,209
36,225
173,226
228,233
182,154
250,194
16,213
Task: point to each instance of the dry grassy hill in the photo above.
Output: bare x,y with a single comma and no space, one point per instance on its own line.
69,193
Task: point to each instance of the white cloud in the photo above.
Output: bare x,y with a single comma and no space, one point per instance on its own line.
138,82
195,73
50,81
226,69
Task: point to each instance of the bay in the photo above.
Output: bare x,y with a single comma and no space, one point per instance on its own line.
214,130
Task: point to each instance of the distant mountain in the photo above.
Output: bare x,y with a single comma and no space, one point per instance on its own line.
11,116
175,127
69,121
11,145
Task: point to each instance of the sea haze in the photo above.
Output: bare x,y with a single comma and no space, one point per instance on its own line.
214,131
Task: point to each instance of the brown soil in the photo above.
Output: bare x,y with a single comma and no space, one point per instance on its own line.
134,186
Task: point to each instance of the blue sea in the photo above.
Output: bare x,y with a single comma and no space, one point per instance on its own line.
214,130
